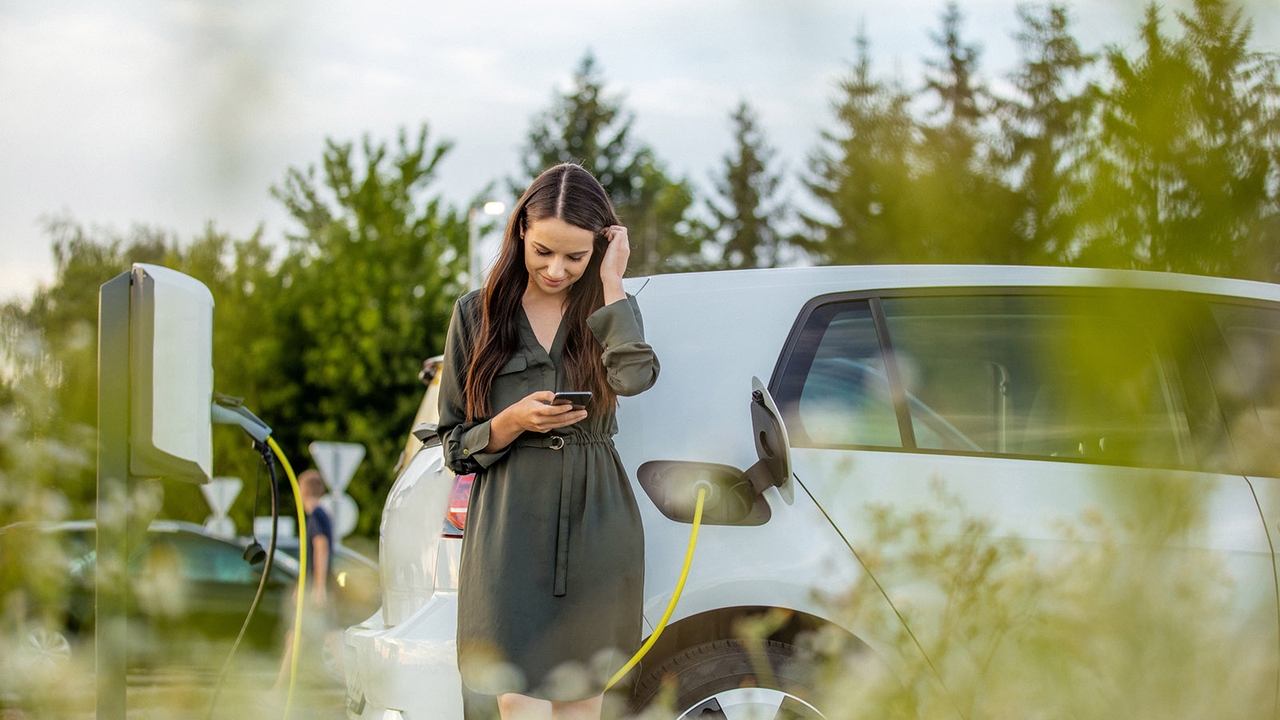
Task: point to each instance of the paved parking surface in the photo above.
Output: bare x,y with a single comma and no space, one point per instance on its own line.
184,694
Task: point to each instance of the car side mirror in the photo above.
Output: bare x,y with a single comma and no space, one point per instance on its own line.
428,434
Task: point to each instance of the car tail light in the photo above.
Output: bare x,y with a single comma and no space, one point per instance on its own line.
455,517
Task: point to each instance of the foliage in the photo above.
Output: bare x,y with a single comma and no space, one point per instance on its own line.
38,452
370,282
1125,619
1044,131
1170,160
745,223
323,344
1183,166
588,127
863,172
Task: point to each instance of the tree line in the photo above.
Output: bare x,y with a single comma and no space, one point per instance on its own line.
1166,157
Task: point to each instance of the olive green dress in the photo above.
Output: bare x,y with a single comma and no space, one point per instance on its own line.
552,570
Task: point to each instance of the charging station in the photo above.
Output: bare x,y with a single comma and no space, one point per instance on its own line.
155,393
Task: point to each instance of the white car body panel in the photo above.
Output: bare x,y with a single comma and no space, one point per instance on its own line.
407,550
412,667
738,323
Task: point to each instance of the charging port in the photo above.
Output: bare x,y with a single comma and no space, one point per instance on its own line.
673,486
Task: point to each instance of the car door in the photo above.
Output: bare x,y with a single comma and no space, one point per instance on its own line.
1241,341
1003,459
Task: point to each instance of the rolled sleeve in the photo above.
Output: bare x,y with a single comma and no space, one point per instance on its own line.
629,361
464,442
473,442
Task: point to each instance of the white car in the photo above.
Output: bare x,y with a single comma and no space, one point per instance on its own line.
1040,403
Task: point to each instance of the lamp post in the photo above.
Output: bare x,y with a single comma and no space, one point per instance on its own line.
474,267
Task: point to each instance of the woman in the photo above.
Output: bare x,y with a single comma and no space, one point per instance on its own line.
552,571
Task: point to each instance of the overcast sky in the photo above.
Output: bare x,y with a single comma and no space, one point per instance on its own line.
175,114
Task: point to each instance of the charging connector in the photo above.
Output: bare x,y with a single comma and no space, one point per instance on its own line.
705,485
228,410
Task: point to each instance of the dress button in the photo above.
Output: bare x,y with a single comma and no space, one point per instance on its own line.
466,451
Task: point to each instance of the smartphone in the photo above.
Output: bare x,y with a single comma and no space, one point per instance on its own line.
578,399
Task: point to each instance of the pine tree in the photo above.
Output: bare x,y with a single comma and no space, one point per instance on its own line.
1133,168
967,210
1185,164
588,127
1235,161
862,173
1044,131
745,221
954,79
591,128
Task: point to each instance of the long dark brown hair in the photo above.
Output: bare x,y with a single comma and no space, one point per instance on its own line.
566,192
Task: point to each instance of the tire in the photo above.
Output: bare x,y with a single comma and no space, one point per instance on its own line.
727,679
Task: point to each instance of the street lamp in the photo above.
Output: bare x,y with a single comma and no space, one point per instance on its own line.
474,268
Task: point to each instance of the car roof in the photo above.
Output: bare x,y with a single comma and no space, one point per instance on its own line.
812,281
156,526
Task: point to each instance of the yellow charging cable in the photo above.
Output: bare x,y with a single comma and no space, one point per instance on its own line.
675,596
302,570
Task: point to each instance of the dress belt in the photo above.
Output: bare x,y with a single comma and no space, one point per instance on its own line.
558,442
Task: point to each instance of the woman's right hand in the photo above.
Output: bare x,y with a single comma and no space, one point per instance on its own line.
536,413
533,413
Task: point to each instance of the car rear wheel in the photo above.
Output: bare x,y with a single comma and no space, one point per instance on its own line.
729,679
46,649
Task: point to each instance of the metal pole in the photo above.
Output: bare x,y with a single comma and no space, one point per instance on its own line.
473,248
111,574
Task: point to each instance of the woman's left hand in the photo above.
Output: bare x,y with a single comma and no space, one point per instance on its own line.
614,264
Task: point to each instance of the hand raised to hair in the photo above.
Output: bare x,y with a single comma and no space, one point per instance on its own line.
614,264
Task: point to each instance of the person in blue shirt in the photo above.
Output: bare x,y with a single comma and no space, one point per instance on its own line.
317,617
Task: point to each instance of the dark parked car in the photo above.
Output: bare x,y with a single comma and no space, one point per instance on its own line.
357,588
189,593
188,589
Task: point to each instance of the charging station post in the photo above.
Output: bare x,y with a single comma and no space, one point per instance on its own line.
155,394
111,638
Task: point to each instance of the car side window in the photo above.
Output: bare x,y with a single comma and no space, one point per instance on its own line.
1078,376
835,392
1066,377
210,561
1250,384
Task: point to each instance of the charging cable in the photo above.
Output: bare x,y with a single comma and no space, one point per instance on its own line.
704,489
302,572
269,460
229,410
